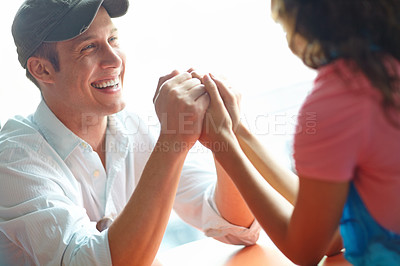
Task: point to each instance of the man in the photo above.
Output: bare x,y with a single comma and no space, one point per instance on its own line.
81,161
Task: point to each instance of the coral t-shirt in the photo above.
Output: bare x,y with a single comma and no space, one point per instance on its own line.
344,135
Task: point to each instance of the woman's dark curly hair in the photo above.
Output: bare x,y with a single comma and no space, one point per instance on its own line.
365,31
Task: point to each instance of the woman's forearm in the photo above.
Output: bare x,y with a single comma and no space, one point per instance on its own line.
281,179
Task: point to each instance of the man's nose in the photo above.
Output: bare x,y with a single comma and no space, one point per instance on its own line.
110,58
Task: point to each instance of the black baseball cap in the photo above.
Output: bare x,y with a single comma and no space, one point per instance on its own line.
39,21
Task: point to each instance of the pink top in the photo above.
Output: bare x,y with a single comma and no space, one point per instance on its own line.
343,135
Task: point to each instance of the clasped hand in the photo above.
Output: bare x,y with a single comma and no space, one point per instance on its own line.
193,107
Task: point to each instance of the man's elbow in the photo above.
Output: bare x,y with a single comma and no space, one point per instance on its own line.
305,258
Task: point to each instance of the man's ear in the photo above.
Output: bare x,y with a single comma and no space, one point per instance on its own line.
41,69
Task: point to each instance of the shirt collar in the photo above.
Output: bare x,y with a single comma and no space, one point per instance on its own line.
117,132
61,139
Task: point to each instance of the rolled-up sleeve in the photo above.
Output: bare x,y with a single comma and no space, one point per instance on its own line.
217,227
195,202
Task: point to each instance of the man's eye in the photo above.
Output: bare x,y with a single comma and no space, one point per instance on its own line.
90,46
113,39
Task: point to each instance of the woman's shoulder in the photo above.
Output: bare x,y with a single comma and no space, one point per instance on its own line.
346,75
341,74
340,83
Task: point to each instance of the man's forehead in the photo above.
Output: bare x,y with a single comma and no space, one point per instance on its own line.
89,35
102,23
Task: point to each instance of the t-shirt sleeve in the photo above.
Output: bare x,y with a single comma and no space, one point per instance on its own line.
331,132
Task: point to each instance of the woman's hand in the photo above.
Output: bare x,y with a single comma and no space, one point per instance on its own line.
217,123
231,99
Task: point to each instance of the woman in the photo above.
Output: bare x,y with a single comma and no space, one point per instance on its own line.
348,165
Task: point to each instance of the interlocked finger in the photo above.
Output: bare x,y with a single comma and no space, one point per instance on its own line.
198,91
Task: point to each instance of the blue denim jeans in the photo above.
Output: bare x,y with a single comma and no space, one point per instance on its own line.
366,242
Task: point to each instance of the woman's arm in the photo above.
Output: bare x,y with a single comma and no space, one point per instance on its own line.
303,234
280,178
226,193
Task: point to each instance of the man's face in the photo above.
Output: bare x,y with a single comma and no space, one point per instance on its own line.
91,72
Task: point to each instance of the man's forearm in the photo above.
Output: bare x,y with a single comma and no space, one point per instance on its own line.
229,201
136,234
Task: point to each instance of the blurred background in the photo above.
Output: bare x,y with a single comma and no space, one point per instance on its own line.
236,39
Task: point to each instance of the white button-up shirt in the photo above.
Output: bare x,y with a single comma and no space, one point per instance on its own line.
54,188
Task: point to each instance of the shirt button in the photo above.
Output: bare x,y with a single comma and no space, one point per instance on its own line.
84,145
96,173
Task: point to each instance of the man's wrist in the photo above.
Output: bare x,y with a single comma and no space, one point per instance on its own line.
172,144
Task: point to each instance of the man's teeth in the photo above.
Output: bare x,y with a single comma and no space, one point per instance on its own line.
106,84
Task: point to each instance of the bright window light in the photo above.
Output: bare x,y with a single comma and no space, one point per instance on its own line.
236,39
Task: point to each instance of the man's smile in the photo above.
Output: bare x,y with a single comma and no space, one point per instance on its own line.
106,84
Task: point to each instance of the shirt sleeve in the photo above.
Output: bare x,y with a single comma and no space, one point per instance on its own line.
195,202
41,217
331,131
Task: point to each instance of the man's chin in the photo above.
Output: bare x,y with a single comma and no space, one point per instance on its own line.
114,109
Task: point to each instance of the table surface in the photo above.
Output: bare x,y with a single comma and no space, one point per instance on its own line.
210,252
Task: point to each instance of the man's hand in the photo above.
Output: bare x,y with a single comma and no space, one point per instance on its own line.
181,102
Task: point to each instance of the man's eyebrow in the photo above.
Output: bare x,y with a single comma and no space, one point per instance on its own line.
91,37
